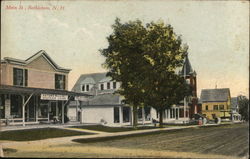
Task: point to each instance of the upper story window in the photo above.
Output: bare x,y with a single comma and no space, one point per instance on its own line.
114,85
87,87
83,88
221,107
59,81
215,107
206,107
108,85
20,77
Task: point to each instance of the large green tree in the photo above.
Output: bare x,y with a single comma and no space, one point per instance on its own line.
144,58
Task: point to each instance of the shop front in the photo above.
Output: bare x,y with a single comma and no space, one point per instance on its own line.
22,105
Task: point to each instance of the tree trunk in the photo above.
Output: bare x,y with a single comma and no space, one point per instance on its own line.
135,115
161,117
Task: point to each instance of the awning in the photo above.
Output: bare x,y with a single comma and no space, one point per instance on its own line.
7,89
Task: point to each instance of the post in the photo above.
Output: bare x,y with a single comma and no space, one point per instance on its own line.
48,110
36,97
63,112
77,102
121,115
23,110
143,115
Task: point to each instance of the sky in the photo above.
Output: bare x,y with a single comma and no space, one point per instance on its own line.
73,32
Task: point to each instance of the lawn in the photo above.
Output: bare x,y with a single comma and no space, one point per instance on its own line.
112,129
37,134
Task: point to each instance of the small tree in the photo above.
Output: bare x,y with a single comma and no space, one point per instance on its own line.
244,107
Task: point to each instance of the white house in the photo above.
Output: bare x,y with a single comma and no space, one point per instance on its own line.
107,108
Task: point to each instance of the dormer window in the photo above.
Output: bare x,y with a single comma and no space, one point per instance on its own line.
114,85
108,85
85,87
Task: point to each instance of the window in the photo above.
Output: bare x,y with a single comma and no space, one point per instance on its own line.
20,77
206,107
125,112
16,106
59,81
114,85
108,85
102,87
87,87
216,107
83,88
116,115
221,107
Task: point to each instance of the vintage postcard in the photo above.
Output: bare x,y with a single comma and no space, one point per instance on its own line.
124,79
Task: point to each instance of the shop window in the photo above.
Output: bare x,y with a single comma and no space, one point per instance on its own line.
221,107
116,115
216,107
59,81
125,113
2,106
20,77
147,113
108,85
114,85
16,106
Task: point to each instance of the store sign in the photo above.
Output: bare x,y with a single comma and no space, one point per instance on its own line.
80,98
54,97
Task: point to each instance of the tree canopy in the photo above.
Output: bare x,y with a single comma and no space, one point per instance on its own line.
144,58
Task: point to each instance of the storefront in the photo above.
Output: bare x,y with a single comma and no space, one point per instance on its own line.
22,105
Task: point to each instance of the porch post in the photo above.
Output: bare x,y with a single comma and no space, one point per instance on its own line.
36,97
131,115
171,112
63,112
178,113
121,115
143,115
57,108
23,110
48,110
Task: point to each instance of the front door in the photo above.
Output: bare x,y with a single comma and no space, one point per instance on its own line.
53,110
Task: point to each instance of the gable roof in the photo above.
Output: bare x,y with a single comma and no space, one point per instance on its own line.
95,77
105,99
35,56
215,95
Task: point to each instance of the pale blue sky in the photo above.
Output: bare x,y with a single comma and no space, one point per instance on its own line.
217,33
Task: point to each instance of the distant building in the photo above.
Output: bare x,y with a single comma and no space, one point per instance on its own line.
33,90
235,109
216,103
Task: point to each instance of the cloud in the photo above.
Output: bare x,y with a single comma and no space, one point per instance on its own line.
84,31
56,22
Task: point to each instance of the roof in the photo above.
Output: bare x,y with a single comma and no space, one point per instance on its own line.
32,58
187,68
93,77
37,91
234,102
103,100
215,95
